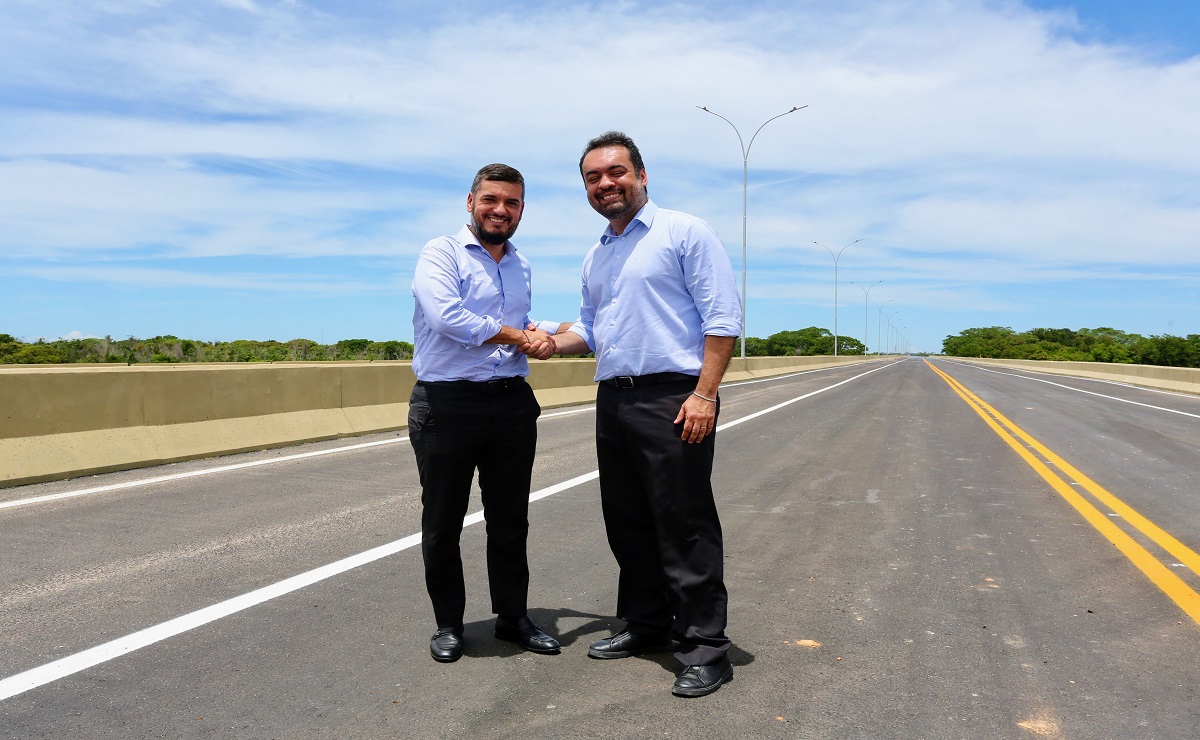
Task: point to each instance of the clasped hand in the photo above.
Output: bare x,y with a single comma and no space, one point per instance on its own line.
540,345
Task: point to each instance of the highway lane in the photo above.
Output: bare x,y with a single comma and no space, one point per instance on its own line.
1137,441
895,570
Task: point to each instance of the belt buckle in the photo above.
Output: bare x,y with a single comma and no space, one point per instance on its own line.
623,381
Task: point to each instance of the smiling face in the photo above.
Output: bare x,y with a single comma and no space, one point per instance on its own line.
614,188
495,209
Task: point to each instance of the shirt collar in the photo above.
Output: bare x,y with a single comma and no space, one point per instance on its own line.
645,216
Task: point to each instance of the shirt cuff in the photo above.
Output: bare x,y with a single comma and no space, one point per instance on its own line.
578,328
485,331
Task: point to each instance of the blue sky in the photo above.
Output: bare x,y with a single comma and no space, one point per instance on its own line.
269,169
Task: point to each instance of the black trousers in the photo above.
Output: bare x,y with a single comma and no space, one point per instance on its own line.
456,428
661,519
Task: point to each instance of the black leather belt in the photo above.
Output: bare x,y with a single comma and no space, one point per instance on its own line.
490,386
637,381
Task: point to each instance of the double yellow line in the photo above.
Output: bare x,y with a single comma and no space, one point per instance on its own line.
1171,584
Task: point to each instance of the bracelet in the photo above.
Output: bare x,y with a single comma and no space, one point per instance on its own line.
706,398
526,336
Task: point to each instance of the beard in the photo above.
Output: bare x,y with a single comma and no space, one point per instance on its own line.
493,237
628,205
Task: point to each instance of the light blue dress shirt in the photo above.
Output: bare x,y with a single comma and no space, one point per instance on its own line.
652,294
462,298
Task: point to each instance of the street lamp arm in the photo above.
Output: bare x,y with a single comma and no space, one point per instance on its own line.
741,144
760,128
837,256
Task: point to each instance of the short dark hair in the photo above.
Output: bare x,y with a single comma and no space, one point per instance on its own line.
497,172
615,138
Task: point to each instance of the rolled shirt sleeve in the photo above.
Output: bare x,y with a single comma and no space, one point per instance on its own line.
550,327
587,310
709,277
437,292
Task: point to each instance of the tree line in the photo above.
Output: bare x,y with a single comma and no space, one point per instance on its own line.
168,349
1085,345
811,341
1001,342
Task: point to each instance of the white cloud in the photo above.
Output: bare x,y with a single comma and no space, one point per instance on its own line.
978,129
77,335
169,279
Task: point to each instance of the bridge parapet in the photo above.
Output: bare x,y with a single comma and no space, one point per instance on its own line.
1182,379
61,421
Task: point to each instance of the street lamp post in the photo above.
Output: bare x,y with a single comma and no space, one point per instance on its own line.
745,184
891,326
879,323
866,310
836,257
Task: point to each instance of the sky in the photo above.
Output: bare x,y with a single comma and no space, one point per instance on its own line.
270,169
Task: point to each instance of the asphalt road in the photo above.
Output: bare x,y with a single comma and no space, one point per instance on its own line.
898,567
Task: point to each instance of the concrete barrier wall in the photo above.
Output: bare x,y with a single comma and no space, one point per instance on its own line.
1182,379
61,421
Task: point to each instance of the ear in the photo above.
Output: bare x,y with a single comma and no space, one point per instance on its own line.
470,200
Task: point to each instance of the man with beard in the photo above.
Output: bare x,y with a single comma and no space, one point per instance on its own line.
472,409
661,310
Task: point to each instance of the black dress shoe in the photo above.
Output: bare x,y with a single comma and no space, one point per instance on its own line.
701,680
625,644
526,634
446,645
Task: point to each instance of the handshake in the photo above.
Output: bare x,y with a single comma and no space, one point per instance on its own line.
541,345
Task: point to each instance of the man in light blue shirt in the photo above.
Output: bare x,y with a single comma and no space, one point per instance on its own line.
466,303
471,409
661,310
654,292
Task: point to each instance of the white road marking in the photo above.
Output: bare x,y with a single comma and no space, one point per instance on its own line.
72,664
192,474
778,406
1093,393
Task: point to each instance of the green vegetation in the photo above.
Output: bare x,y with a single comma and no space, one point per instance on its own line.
810,341
173,349
1085,345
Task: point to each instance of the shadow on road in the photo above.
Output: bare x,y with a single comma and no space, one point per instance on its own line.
482,642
